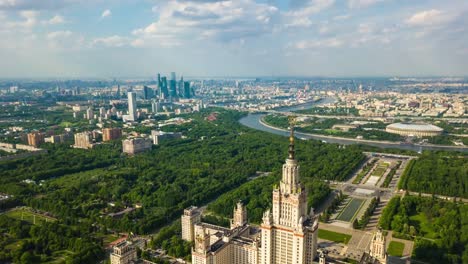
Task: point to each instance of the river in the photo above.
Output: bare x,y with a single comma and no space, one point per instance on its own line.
254,121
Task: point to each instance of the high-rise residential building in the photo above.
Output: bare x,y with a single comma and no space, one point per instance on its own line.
190,217
89,113
84,140
287,235
132,106
123,253
111,133
14,89
102,111
154,106
35,138
136,145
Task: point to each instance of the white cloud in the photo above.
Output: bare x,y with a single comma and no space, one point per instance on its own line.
362,3
431,17
106,13
112,41
223,20
64,41
319,43
8,3
365,28
341,17
57,35
312,7
30,20
299,22
56,20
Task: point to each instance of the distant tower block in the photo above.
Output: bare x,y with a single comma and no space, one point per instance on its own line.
132,106
377,247
123,253
240,216
202,240
190,218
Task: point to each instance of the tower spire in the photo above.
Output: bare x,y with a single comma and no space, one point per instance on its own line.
292,122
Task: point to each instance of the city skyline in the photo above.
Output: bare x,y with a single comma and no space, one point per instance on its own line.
79,38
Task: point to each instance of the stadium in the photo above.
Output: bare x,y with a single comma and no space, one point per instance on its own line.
418,130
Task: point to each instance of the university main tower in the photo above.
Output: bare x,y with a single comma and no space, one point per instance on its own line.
288,232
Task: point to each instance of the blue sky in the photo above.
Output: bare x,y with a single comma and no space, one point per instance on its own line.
126,38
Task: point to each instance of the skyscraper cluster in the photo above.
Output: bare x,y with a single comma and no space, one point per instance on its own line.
174,89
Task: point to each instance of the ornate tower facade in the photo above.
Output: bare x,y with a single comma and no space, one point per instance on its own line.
289,233
202,245
240,216
377,247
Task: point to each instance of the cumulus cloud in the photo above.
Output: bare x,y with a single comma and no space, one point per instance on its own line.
56,20
362,3
431,17
311,7
56,35
223,20
34,4
112,41
28,20
106,13
341,17
319,43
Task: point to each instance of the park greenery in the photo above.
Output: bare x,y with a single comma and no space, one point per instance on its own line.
443,173
365,170
390,175
324,126
337,111
169,239
335,204
362,223
439,228
22,242
97,193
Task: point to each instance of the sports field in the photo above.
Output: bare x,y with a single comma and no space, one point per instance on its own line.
350,210
28,216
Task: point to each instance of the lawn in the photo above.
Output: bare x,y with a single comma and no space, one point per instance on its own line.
395,249
334,236
350,210
423,225
380,170
28,216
